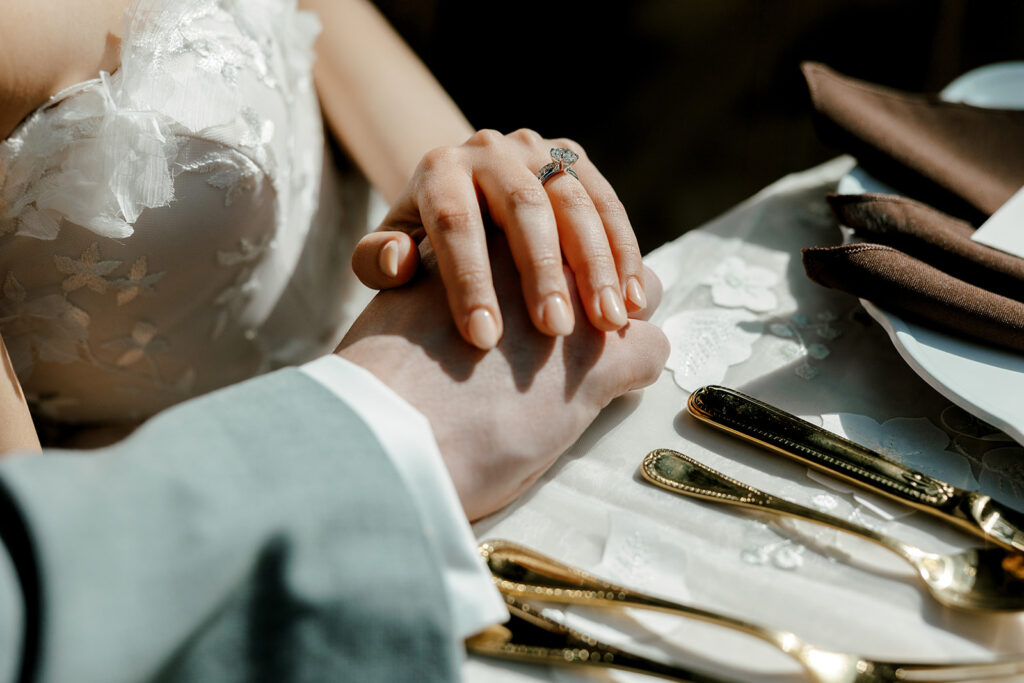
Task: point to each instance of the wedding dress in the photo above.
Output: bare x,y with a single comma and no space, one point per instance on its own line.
176,225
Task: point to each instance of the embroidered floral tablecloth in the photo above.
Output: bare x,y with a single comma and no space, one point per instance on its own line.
739,311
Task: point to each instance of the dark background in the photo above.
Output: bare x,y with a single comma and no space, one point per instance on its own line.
690,106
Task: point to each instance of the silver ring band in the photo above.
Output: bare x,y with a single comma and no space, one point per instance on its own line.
553,169
563,158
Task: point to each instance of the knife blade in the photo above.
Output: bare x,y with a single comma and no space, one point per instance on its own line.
816,447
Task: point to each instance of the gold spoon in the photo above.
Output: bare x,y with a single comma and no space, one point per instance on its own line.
525,573
990,579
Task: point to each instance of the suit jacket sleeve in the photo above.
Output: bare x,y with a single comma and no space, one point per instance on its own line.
255,534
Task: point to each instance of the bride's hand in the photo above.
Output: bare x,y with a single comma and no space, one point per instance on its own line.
450,198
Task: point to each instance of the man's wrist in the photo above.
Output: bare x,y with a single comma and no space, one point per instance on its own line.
406,436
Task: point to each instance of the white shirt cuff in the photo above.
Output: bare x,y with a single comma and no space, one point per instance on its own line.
408,440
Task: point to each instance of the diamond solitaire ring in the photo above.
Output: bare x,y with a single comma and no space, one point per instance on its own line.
563,161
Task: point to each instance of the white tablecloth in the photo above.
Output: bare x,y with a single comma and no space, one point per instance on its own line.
740,312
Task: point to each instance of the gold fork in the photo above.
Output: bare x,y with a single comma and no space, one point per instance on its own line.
980,579
524,573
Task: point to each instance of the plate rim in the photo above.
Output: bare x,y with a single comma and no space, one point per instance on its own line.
900,330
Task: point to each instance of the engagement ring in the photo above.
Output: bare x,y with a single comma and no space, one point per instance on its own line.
563,160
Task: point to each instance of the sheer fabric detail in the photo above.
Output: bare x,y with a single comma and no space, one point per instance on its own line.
176,225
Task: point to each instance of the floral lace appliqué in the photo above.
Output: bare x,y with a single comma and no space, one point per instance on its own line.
914,442
995,458
735,284
705,342
85,271
139,281
141,343
800,331
47,328
208,94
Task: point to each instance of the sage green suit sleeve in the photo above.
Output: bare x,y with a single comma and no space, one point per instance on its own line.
255,534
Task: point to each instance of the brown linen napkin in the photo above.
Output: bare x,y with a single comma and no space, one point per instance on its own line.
918,143
913,289
931,236
967,160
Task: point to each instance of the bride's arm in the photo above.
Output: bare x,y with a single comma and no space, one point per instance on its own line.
16,430
379,99
417,149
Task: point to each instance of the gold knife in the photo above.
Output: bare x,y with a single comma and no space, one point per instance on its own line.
819,448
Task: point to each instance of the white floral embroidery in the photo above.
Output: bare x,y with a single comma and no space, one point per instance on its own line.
784,554
735,284
1002,475
706,342
247,252
87,271
233,300
996,459
48,328
207,91
139,281
914,442
796,330
229,171
141,343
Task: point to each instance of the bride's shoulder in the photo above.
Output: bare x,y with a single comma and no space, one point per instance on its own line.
48,46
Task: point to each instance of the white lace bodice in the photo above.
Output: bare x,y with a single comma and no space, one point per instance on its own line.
176,225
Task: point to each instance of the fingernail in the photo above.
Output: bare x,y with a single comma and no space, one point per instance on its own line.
483,330
388,259
612,307
635,293
555,314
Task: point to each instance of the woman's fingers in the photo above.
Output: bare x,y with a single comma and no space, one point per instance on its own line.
521,207
451,215
576,218
586,249
384,259
621,239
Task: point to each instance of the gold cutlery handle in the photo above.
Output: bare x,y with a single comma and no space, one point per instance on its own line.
815,446
820,449
682,474
522,573
531,637
527,574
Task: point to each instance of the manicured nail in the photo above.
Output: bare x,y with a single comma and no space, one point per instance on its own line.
483,330
612,307
388,259
555,314
635,293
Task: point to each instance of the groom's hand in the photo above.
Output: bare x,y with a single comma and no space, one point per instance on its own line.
502,417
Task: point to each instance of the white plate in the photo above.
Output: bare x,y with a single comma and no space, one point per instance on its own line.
984,380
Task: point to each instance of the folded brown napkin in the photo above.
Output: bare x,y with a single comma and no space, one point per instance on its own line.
924,147
933,237
911,287
920,262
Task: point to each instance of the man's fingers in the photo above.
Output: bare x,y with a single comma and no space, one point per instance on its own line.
650,351
385,259
634,359
653,291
